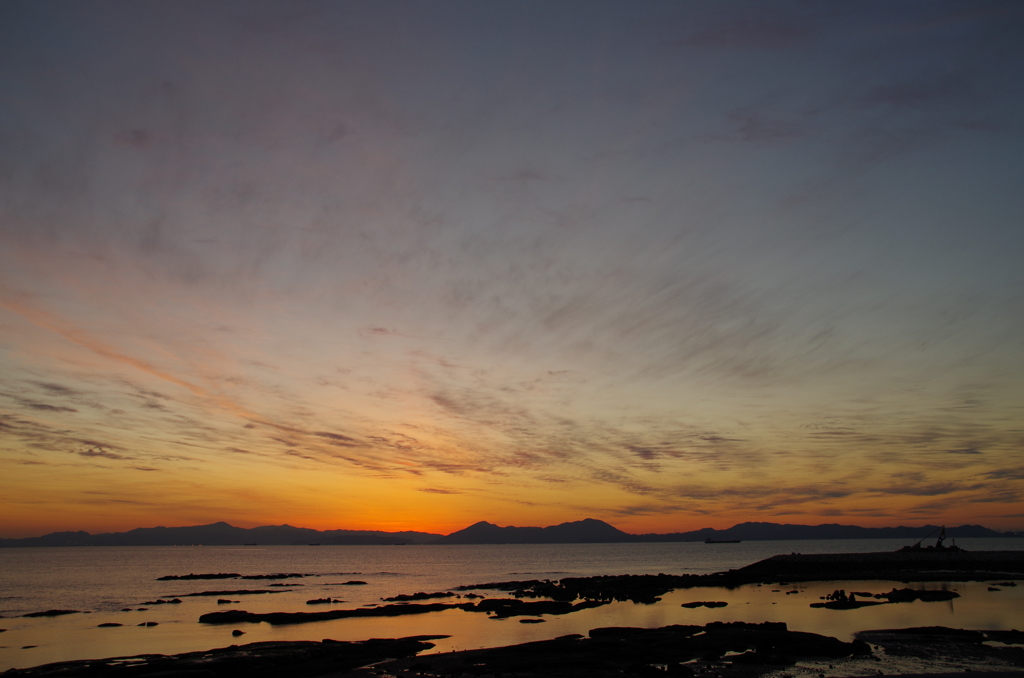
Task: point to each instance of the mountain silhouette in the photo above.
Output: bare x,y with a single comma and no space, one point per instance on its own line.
221,533
587,531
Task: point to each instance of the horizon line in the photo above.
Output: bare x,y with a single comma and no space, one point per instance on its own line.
572,522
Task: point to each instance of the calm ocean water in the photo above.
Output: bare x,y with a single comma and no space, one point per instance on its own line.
103,580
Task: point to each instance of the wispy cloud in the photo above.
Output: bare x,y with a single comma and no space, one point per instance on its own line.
94,452
48,408
57,389
337,439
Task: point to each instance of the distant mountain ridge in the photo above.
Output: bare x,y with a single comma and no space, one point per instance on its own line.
591,531
776,532
221,533
587,531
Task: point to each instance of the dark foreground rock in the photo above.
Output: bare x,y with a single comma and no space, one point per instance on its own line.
753,649
240,592
921,565
918,566
910,595
51,613
605,588
502,608
296,659
722,650
406,597
230,575
839,601
606,652
282,618
497,608
193,576
959,645
847,604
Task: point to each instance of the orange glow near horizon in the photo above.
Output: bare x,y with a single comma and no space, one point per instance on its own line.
386,270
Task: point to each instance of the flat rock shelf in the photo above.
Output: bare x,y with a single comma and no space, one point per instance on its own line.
923,565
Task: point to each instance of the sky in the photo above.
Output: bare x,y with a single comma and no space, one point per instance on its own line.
410,265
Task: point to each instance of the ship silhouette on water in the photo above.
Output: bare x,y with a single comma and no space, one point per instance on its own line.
938,546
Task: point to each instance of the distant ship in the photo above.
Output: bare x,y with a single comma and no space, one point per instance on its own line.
938,543
709,540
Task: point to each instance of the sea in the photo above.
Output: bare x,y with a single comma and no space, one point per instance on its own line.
112,585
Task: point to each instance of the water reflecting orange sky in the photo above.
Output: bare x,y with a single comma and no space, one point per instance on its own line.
77,636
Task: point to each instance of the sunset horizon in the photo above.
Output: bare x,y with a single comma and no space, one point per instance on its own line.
447,530
669,265
522,338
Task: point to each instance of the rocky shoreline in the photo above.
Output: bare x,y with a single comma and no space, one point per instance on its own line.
922,565
300,659
715,650
571,594
919,566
